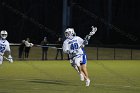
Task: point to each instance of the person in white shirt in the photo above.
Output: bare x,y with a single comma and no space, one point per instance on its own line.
74,47
4,47
28,45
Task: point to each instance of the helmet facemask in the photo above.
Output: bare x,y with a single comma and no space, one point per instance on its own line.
3,34
69,33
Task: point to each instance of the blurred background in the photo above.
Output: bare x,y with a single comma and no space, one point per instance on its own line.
117,22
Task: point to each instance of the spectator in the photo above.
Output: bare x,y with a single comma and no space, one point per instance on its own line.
44,48
28,45
59,48
21,49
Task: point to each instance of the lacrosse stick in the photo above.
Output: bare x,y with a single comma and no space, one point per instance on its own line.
5,57
94,29
86,39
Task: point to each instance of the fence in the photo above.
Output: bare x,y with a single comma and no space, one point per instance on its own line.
93,53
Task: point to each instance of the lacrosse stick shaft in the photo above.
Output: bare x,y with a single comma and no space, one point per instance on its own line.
5,57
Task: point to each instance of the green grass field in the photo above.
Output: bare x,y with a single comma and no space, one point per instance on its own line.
107,76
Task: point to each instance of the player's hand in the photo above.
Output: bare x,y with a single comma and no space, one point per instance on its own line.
87,37
74,53
10,58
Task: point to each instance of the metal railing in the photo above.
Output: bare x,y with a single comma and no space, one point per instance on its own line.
93,53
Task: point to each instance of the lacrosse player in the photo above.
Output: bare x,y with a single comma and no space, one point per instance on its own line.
4,47
74,47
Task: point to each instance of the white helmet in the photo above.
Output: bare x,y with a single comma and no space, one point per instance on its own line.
3,34
69,33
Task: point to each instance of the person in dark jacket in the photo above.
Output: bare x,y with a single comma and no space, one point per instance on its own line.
59,48
44,48
21,49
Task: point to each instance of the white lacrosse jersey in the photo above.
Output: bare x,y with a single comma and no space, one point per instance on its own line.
73,44
4,46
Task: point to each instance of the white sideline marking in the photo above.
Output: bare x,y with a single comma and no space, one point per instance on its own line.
110,85
1,78
36,88
18,79
106,85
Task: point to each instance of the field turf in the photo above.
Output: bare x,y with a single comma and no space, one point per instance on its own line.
107,76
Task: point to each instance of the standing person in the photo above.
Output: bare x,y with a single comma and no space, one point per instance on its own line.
28,45
74,47
44,48
21,49
59,48
4,46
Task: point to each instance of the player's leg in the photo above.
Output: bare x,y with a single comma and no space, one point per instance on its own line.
1,59
84,70
77,62
74,65
82,76
0,62
78,69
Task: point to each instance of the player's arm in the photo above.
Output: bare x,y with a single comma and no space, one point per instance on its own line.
65,47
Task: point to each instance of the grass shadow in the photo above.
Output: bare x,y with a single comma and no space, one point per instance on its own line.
56,82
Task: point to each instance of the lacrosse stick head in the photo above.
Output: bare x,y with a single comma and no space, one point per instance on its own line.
94,29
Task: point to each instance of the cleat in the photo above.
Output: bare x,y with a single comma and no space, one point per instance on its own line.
87,82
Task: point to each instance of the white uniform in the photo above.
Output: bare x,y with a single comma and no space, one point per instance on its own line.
76,53
4,46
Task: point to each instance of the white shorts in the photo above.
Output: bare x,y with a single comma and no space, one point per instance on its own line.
79,60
